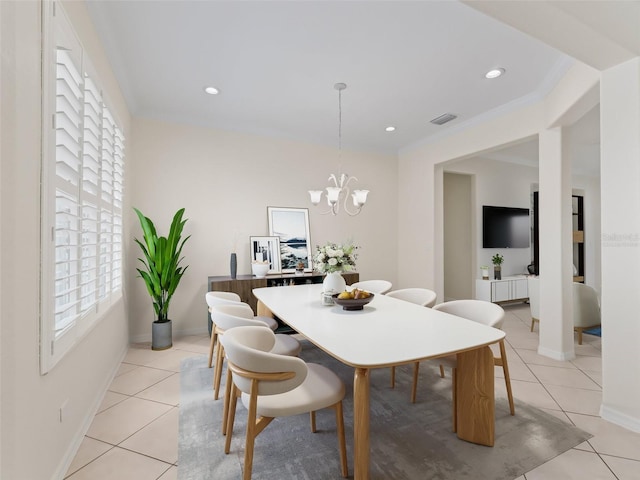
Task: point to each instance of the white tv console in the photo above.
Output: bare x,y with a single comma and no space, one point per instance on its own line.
508,289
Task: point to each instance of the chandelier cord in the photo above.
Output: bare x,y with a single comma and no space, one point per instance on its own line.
339,131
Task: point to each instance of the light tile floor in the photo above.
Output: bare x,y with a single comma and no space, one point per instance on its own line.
134,434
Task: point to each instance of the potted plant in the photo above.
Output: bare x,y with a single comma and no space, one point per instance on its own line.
162,272
497,260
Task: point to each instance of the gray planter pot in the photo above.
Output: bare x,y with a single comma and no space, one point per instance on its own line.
161,337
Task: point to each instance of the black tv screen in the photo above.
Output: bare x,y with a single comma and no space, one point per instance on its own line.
505,227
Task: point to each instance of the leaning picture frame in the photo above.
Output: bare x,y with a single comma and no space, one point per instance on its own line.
291,226
266,249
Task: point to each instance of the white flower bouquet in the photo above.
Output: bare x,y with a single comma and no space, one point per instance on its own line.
333,257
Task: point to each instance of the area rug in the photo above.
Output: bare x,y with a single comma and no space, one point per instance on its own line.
408,441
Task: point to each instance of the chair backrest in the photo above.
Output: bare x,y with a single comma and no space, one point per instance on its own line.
586,307
479,311
533,284
419,296
227,316
373,286
218,298
248,348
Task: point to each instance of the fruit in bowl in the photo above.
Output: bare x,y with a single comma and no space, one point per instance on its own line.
355,299
355,293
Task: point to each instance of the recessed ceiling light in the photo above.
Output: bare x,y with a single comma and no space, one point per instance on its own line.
211,90
495,73
390,129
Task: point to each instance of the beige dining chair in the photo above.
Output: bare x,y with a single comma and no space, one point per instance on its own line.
586,309
272,385
223,298
533,286
488,314
586,306
373,286
419,296
229,316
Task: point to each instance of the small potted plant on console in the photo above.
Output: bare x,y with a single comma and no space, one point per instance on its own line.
497,260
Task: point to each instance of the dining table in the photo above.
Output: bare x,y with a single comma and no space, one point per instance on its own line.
391,332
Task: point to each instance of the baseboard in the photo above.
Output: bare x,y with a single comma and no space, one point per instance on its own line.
67,459
562,356
622,419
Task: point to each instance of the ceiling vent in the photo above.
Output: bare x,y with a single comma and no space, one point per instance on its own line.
442,119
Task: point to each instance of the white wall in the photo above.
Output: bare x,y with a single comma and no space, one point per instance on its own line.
500,184
459,229
620,111
35,444
226,181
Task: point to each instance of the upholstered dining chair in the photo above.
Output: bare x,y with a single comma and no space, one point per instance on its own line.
489,314
373,286
586,308
533,286
227,316
272,385
419,296
222,298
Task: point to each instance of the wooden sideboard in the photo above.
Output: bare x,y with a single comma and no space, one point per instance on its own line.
243,285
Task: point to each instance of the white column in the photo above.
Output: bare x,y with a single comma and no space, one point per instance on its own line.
556,271
620,209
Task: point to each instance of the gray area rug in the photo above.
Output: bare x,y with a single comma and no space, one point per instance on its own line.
408,441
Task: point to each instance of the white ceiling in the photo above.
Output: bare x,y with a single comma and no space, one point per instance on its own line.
275,63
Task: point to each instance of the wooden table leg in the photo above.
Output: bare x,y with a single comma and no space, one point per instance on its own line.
475,396
361,424
263,311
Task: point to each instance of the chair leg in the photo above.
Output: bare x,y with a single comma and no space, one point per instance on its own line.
217,375
312,418
233,401
441,371
507,378
393,377
227,401
251,430
214,337
414,387
341,442
579,330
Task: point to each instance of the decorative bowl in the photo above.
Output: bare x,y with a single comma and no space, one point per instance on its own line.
260,269
352,303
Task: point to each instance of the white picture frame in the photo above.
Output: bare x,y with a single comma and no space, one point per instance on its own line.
291,226
266,249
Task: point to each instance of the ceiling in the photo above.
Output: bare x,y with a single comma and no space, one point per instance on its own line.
276,62
405,63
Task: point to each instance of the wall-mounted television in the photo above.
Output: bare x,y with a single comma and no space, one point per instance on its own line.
505,227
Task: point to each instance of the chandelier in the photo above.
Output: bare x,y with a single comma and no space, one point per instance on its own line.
338,191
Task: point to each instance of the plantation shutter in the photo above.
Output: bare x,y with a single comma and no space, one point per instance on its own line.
82,194
69,110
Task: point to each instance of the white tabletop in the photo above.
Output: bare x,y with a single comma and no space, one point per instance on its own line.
388,331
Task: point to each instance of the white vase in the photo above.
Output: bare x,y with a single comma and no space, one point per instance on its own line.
334,283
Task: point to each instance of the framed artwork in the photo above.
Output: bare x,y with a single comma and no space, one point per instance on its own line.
266,249
291,226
